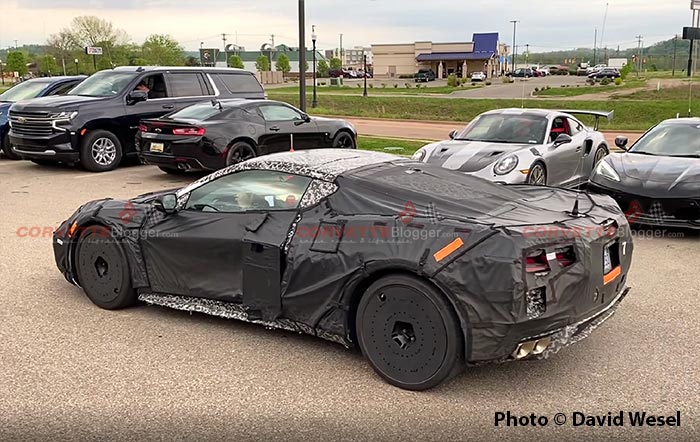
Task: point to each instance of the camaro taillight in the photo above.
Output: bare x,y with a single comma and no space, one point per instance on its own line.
197,131
143,128
537,262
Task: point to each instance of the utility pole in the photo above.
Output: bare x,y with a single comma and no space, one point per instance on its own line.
595,45
272,39
639,58
527,53
515,49
340,53
16,47
223,37
302,56
673,68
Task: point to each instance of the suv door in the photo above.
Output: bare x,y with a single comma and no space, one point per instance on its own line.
281,121
159,103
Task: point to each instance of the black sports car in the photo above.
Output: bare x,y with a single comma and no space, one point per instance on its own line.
425,269
216,134
657,180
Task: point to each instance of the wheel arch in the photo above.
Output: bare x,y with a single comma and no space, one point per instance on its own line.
245,139
119,131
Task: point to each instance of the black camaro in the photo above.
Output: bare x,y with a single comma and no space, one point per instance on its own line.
425,269
657,180
216,134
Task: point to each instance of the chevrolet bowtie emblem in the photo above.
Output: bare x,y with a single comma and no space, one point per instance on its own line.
158,130
21,120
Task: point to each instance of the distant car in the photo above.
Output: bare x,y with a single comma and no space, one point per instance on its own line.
523,73
605,73
596,68
478,76
424,75
37,87
213,135
523,146
657,180
336,73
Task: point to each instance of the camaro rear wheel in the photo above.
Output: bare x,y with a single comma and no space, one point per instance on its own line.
537,175
101,151
102,269
409,333
240,151
344,140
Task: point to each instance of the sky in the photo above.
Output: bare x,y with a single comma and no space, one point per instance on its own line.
545,25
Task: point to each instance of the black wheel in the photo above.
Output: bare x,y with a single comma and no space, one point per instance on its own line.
601,153
102,269
172,170
101,151
537,175
240,151
343,140
409,333
7,148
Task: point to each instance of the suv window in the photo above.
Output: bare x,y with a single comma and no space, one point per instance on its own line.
64,88
186,84
154,84
276,112
249,190
239,83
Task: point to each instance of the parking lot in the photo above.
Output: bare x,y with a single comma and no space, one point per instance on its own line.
148,373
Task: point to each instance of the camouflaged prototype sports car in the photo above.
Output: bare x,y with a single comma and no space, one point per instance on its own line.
426,270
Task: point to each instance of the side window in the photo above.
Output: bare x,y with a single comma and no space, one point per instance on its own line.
186,84
240,83
275,112
154,85
574,127
559,127
249,190
63,89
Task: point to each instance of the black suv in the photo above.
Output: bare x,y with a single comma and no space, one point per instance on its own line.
96,123
424,75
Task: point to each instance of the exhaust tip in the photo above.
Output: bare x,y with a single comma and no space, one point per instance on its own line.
533,348
541,346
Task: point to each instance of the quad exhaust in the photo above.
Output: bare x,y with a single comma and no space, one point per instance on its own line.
183,166
531,348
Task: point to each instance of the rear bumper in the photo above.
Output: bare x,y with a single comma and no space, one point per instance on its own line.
55,147
173,162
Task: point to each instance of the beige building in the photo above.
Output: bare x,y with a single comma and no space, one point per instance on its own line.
484,53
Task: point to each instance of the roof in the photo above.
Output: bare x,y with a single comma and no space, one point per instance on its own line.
444,56
57,78
177,68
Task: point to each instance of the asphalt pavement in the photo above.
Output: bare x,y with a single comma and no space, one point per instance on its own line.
71,371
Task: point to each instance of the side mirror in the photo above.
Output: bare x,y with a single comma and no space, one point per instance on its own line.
167,203
453,134
562,139
136,96
305,118
621,142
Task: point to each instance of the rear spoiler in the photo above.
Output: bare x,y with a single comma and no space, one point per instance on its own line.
597,114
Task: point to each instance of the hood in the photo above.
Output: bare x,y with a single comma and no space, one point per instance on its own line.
656,176
471,156
53,103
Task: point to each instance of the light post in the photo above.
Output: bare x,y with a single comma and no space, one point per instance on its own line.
364,73
2,74
314,102
515,49
76,66
302,57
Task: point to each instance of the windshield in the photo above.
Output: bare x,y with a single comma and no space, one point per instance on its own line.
24,91
670,140
506,128
201,112
104,84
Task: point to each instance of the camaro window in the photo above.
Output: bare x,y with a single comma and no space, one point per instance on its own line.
249,190
672,140
23,91
506,128
104,84
200,112
279,113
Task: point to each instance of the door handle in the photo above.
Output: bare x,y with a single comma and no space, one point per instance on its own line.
275,128
168,106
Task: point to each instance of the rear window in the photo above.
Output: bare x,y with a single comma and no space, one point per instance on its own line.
240,83
200,112
187,85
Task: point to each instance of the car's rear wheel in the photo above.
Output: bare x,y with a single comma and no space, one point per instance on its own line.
240,151
344,140
537,175
101,151
7,148
601,153
103,270
409,333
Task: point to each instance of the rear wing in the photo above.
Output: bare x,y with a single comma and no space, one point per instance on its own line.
597,114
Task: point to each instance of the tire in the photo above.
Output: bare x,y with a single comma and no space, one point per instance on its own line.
409,333
103,270
343,140
240,151
537,175
172,170
7,149
600,153
101,151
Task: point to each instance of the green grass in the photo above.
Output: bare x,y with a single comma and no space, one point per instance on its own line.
390,145
354,90
584,90
629,114
668,93
4,88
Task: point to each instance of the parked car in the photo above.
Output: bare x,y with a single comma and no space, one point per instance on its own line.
605,73
657,180
596,68
424,75
478,76
321,242
95,123
336,73
38,87
212,135
523,146
523,73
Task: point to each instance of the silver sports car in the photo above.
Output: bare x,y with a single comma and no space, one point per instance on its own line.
523,146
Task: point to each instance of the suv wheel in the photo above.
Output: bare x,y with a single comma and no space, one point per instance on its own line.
101,151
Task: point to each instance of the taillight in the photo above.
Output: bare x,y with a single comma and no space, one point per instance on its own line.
195,131
143,128
537,262
566,256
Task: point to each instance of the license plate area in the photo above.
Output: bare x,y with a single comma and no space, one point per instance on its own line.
156,147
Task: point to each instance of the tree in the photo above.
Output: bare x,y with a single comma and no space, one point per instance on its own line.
62,45
336,64
322,69
235,61
89,30
162,50
16,62
48,65
306,66
262,64
283,65
192,61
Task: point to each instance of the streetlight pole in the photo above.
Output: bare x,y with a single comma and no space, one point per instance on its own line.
515,50
673,69
302,58
76,66
364,73
314,102
2,74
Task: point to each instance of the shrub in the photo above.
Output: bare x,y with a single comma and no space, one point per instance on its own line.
323,83
452,80
408,85
473,83
488,83
359,85
383,85
371,86
590,82
537,89
508,80
618,81
625,71
396,85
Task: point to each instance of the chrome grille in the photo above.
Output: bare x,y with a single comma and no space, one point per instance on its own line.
31,123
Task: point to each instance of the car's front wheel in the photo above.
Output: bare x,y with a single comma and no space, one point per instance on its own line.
343,140
101,151
409,333
7,148
537,176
